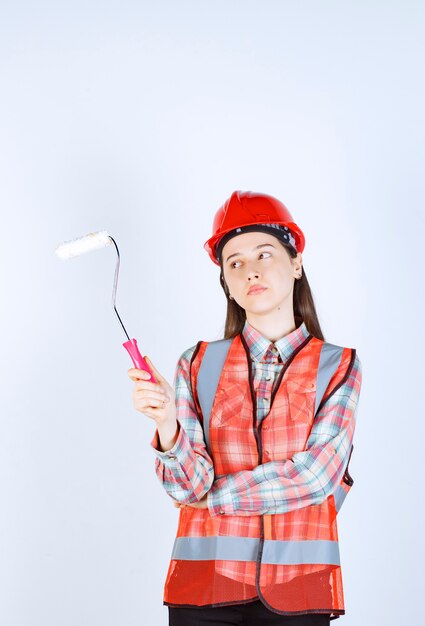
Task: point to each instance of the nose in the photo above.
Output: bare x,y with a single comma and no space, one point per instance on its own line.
253,273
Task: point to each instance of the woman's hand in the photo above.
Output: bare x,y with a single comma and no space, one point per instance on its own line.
155,400
201,504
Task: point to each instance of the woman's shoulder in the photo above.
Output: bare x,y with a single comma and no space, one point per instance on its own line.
348,354
331,344
186,355
182,371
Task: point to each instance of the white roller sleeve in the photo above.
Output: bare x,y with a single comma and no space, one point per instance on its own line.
75,247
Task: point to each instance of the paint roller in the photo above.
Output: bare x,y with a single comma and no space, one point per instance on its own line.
95,241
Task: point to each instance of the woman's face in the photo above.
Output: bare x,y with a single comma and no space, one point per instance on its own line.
259,259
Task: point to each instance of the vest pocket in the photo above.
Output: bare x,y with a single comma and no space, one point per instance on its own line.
301,399
229,402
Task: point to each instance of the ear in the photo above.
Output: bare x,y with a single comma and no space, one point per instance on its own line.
223,282
297,264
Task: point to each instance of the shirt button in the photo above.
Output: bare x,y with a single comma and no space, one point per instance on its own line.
268,377
265,427
221,512
275,349
267,452
171,456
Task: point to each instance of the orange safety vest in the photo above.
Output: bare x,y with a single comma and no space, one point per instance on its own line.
288,560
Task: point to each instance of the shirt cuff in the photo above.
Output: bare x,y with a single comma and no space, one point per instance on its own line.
169,457
220,501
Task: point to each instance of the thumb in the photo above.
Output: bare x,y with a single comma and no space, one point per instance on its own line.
153,368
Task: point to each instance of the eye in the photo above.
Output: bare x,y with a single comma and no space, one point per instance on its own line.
261,253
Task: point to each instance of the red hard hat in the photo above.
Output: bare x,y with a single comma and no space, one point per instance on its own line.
245,208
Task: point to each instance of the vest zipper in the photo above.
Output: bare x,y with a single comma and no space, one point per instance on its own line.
257,434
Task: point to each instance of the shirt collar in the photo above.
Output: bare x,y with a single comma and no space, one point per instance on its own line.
260,347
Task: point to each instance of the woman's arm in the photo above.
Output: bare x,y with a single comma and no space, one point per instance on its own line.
309,476
186,470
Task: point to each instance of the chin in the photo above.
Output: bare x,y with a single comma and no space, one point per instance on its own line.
260,308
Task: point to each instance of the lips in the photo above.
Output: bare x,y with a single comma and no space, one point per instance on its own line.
256,289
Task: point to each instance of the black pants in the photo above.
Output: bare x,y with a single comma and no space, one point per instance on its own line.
251,614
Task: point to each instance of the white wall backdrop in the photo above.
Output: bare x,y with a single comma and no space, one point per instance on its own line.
141,118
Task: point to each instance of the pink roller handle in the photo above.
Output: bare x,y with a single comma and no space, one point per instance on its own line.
136,357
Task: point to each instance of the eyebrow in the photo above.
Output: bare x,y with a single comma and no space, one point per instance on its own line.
262,245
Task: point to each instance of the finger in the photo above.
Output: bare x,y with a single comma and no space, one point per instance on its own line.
138,374
152,413
155,403
149,386
150,394
153,368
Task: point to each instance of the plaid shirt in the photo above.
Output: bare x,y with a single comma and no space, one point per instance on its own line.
187,472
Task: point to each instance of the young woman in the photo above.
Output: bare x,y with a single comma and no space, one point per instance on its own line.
254,444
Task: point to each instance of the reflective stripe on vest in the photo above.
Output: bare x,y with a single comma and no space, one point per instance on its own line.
339,495
275,552
209,376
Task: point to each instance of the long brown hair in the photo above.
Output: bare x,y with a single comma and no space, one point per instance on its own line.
303,303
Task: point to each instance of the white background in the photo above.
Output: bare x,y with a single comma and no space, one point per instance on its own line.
141,118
